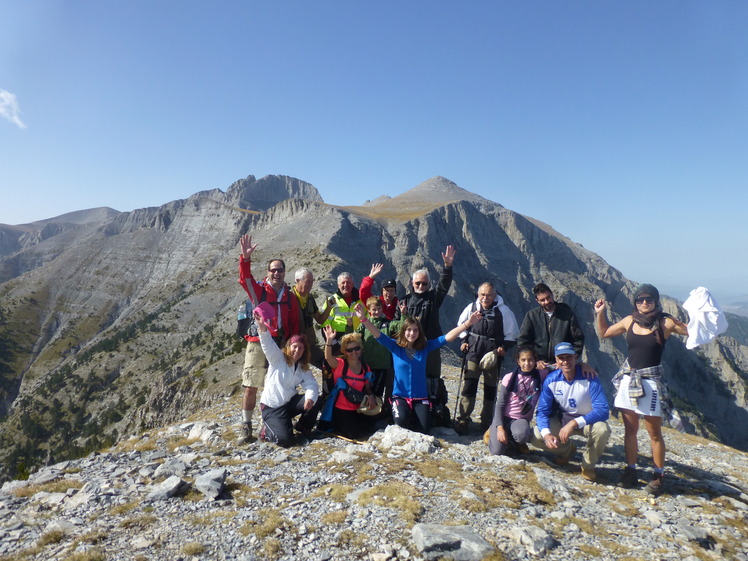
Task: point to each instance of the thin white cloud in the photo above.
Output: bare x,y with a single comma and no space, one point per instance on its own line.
9,109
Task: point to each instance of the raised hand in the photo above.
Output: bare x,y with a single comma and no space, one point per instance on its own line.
330,333
360,311
261,325
376,268
247,248
448,256
600,306
474,318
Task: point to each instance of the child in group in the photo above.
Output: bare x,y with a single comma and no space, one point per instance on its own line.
515,405
378,357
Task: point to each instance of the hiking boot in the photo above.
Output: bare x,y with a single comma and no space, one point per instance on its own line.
245,434
655,486
522,448
462,427
629,479
589,473
306,432
564,460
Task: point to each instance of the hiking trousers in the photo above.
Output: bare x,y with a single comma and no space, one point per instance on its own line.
278,421
473,372
414,414
518,431
597,438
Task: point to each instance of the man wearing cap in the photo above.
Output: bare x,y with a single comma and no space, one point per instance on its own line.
389,291
485,345
274,291
571,404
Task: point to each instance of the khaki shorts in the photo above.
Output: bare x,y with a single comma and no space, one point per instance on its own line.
255,366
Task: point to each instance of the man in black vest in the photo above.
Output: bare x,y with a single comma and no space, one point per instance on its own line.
485,345
548,325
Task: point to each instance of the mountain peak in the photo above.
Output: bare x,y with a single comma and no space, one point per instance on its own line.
439,189
425,197
261,194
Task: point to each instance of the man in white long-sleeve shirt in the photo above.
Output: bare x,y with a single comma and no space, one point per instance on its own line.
495,333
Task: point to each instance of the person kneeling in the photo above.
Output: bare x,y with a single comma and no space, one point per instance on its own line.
515,406
280,402
583,408
351,387
411,407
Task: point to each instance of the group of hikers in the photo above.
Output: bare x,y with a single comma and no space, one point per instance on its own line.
381,364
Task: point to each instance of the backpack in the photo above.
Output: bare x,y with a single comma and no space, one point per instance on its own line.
353,395
480,344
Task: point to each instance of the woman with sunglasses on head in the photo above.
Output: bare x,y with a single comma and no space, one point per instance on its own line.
280,402
411,407
351,384
640,388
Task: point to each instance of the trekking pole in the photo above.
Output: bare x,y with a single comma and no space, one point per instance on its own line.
459,386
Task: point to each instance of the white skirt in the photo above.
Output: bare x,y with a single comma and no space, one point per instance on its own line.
648,404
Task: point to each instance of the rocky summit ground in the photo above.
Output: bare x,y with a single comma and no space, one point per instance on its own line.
189,492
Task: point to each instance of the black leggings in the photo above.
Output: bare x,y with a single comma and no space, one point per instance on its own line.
415,415
350,424
277,421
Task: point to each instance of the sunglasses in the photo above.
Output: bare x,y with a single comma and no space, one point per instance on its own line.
276,270
645,299
419,283
352,349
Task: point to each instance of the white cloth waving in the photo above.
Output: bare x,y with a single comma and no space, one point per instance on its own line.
705,318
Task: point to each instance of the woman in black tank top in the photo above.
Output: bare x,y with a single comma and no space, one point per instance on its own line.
644,350
646,330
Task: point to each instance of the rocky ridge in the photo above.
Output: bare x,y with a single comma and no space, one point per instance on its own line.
115,324
187,492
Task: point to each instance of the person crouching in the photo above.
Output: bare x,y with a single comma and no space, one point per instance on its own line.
280,402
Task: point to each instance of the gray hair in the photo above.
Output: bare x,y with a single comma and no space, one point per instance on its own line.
422,272
302,273
345,275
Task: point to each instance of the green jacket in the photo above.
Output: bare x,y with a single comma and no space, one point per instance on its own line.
375,355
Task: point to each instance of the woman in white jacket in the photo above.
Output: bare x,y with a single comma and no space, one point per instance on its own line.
280,401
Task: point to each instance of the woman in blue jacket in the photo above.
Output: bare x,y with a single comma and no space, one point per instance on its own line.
410,397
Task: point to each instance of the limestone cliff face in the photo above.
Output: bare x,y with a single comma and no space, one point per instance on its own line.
126,322
261,194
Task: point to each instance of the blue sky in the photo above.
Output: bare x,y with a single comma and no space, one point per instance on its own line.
624,125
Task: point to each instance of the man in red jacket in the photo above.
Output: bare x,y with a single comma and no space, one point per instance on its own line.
389,291
273,290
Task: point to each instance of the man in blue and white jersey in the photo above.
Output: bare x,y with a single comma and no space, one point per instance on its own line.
571,404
